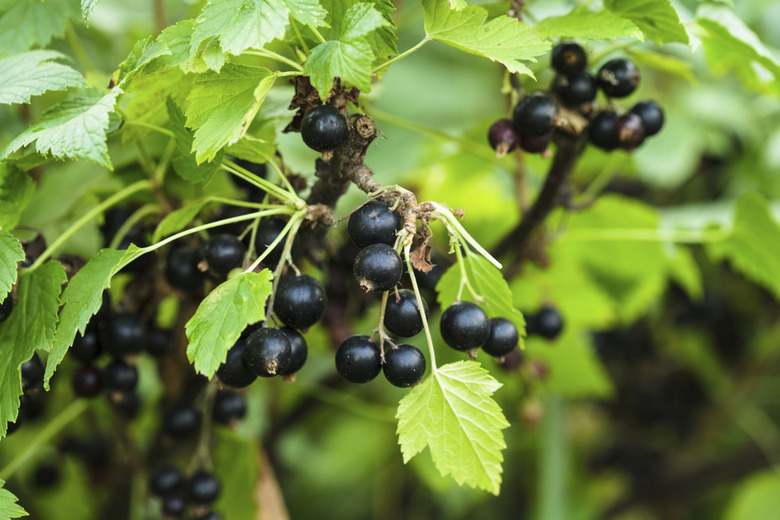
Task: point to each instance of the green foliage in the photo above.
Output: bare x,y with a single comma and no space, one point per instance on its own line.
11,253
657,19
16,190
8,504
29,74
86,8
236,466
755,497
183,160
178,220
583,24
31,23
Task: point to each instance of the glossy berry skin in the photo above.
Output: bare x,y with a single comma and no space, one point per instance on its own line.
404,366
224,253
402,314
118,376
259,169
618,78
629,131
229,406
601,130
569,59
503,338
533,115
267,352
234,371
159,342
181,268
577,90
32,373
378,268
86,347
299,351
464,326
6,306
358,359
267,231
87,381
165,480
548,323
373,223
503,136
300,301
534,144
202,488
652,116
123,334
324,128
181,422
174,505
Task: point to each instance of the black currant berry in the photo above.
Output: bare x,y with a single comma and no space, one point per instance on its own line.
373,223
202,488
123,334
32,373
267,352
165,480
534,144
86,348
128,404
402,314
358,359
113,219
46,476
181,268
548,323
324,128
378,268
259,169
300,301
629,131
120,377
15,425
224,253
569,58
618,78
298,351
652,116
211,515
503,338
87,381
577,90
267,231
533,115
229,406
181,422
503,137
174,505
601,130
159,342
34,404
6,306
234,372
404,366
464,326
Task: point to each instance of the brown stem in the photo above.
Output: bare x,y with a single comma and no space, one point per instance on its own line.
159,15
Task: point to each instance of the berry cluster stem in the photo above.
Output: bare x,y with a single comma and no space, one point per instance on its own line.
418,296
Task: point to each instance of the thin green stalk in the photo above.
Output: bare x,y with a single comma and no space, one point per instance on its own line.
150,127
418,296
464,277
402,55
128,224
276,167
464,235
265,53
75,44
553,463
294,222
316,33
162,165
684,236
241,203
289,196
299,37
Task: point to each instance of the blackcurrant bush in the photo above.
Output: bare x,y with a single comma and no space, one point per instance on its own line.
548,323
135,237
6,306
503,137
32,373
402,314
569,58
224,253
159,342
533,115
267,352
174,505
298,351
86,347
87,381
118,376
652,116
259,169
324,128
373,223
229,406
46,476
128,404
181,268
123,334
577,90
464,326
534,144
234,372
15,425
267,231
503,338
113,219
165,480
378,268
618,78
629,131
300,301
203,488
181,422
404,366
358,359
601,130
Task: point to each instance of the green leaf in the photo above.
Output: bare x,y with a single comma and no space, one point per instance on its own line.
8,504
349,61
658,19
176,39
86,8
223,105
11,253
183,160
584,24
178,220
29,74
143,52
150,93
361,19
757,496
16,191
665,63
31,23
453,414
382,40
74,129
221,317
503,39
236,461
29,327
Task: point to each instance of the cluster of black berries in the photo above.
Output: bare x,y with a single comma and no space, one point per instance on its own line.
465,327
199,491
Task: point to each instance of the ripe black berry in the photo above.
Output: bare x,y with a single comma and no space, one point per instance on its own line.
464,326
402,315
86,347
123,334
120,377
548,323
113,219
324,128
181,268
298,351
15,425
267,231
165,480
618,78
181,422
32,373
574,91
46,476
629,131
6,306
534,144
373,223
652,116
229,406
533,115
358,359
378,268
159,342
569,58
128,404
224,253
259,169
602,130
87,381
267,352
404,366
174,504
503,137
234,372
502,339
203,488
300,301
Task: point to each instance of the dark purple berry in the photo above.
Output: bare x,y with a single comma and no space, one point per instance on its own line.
618,78
267,231
6,306
378,268
165,480
373,223
229,406
601,130
234,371
118,376
182,422
577,90
324,128
503,338
300,301
87,381
202,488
32,373
358,359
404,366
569,58
503,137
402,314
652,116
548,323
298,351
46,476
534,144
123,334
629,131
181,268
86,348
224,253
464,326
267,352
174,505
533,115
128,404
259,169
159,342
